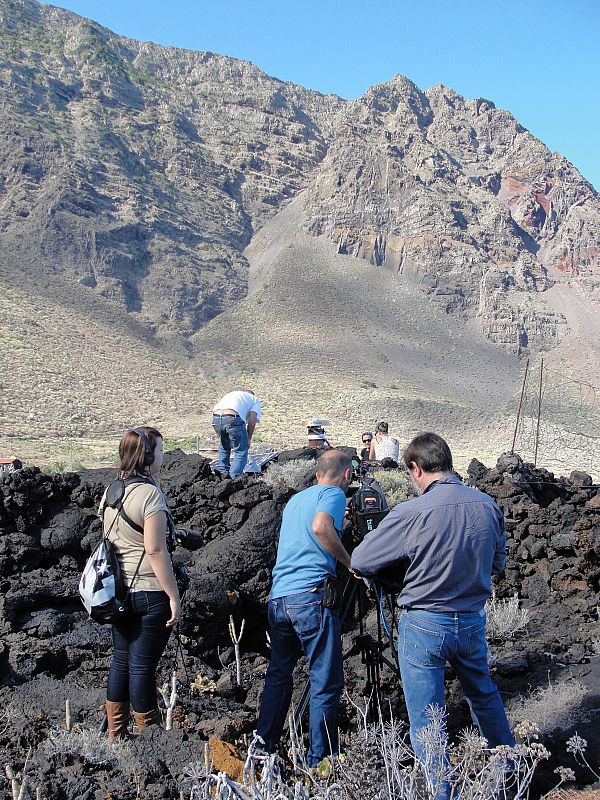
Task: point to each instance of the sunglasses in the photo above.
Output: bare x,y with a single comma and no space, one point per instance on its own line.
367,441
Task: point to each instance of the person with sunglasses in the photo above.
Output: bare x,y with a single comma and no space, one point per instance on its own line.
367,438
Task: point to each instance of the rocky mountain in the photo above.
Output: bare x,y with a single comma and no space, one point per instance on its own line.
456,196
141,171
353,255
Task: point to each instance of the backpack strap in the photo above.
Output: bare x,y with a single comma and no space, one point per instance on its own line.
137,569
117,503
116,499
122,513
129,521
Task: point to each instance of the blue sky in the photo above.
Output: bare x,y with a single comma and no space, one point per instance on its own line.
540,59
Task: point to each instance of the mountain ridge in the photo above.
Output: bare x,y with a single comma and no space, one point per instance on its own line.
150,177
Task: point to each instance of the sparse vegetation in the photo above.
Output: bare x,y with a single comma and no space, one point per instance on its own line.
87,743
557,706
292,474
504,617
184,443
378,762
56,467
396,485
203,685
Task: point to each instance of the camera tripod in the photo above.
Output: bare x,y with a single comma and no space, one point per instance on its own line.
369,648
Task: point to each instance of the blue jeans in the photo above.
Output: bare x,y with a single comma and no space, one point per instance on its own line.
138,643
426,642
233,436
299,624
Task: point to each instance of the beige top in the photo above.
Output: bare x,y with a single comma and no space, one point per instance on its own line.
141,501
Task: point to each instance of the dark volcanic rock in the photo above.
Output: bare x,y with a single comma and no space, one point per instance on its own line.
48,523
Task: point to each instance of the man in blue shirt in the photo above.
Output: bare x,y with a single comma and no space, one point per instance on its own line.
309,546
453,538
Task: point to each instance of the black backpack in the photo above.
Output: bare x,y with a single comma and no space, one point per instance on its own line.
368,506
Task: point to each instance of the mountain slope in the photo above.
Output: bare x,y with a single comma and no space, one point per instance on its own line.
390,256
323,334
141,170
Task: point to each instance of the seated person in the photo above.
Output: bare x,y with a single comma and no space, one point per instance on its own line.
383,445
367,438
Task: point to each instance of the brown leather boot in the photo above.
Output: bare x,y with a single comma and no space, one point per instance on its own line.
145,718
117,715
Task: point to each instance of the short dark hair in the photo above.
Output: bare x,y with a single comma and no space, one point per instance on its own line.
430,452
132,451
333,463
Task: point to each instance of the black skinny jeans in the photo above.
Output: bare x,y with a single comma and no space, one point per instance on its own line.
138,643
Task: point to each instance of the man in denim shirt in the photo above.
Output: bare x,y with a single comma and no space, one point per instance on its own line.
309,546
453,539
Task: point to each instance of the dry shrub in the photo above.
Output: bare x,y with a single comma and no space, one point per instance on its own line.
293,474
87,743
395,484
504,618
557,706
379,764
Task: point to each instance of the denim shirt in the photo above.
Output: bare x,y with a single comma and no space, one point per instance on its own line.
453,538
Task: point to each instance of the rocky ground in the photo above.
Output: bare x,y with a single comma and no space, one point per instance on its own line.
50,653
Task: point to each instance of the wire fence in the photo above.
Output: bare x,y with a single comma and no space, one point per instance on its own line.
557,427
558,421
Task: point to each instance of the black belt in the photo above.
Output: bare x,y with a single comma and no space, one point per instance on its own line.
225,415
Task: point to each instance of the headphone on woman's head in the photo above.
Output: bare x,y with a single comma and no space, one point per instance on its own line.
148,449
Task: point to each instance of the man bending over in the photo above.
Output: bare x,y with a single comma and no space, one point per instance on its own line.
234,419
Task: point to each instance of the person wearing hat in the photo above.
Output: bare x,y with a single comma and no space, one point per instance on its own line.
383,445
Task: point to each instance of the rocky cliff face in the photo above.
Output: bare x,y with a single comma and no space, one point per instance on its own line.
456,196
143,171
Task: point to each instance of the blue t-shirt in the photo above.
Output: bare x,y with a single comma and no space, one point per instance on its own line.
302,561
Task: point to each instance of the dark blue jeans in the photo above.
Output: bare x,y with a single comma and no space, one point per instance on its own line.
233,436
138,643
299,624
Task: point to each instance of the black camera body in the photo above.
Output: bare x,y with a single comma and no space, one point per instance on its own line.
191,540
368,505
182,578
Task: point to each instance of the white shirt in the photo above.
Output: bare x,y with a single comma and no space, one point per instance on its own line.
386,448
241,402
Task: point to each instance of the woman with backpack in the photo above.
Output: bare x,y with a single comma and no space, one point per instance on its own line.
141,532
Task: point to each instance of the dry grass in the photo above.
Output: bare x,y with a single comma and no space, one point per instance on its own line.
293,474
557,706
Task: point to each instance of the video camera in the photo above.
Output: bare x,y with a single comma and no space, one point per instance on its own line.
367,505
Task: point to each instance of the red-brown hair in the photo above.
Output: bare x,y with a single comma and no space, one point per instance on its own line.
132,451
